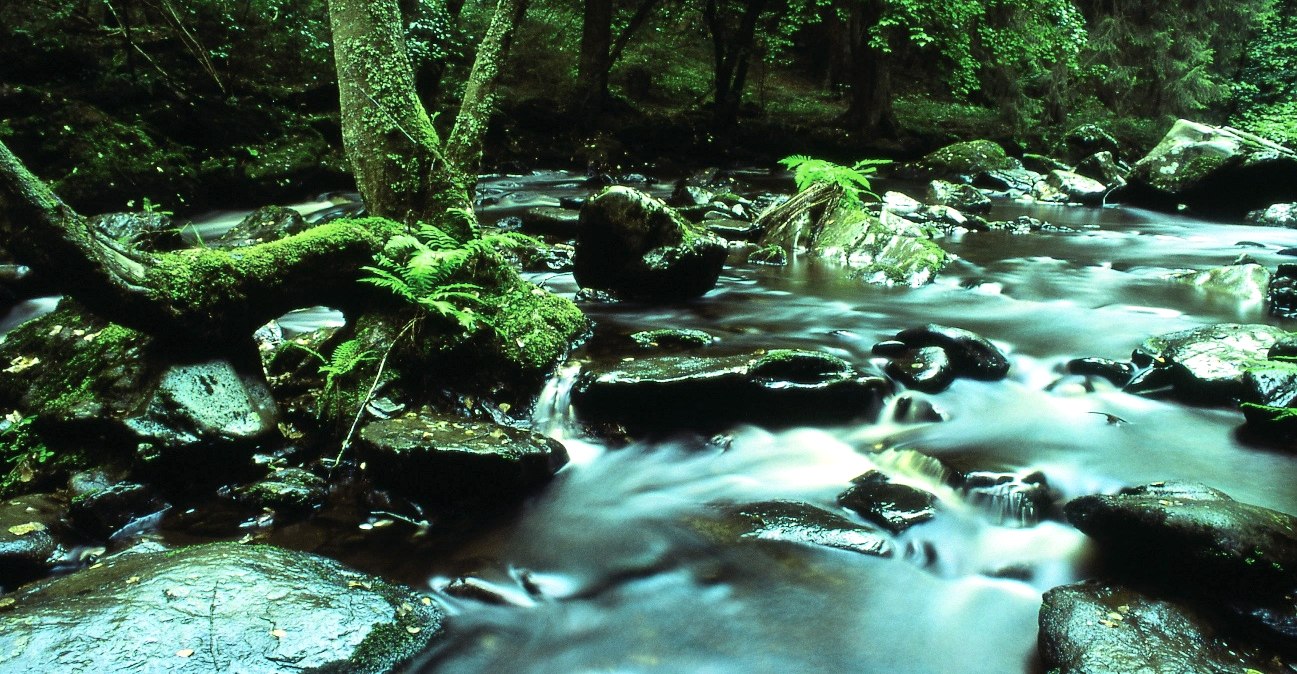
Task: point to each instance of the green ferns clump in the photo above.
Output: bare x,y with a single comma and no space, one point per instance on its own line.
421,268
21,451
854,179
346,358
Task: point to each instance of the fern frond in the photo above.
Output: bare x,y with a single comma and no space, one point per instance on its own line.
435,238
390,282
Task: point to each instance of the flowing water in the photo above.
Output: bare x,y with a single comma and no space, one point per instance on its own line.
609,569
608,572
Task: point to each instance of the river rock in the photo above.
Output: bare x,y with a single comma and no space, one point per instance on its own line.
1191,539
970,354
635,246
885,248
1249,282
1213,169
102,512
965,198
559,222
1282,293
1069,187
116,388
1012,182
1087,139
1275,215
28,547
960,162
772,256
784,386
672,338
901,204
926,369
146,231
220,607
795,522
1101,628
291,491
447,460
1206,363
895,507
1103,167
1119,373
266,224
1010,499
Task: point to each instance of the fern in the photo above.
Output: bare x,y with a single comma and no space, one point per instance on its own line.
853,180
419,269
346,358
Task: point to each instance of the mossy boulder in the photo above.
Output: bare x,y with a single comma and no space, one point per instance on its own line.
784,386
884,249
1086,140
1102,628
146,231
552,220
101,384
291,491
1217,170
217,607
961,162
636,247
672,338
1191,540
965,198
1275,215
268,223
446,460
1249,282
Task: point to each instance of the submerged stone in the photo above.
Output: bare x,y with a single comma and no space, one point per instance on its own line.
448,460
1010,499
28,547
289,490
794,522
1100,628
101,513
219,607
561,222
895,507
785,386
970,354
636,247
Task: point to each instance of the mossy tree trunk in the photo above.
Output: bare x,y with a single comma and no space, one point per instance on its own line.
202,299
405,170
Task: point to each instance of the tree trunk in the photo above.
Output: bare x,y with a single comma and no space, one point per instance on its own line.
595,60
404,170
731,54
870,111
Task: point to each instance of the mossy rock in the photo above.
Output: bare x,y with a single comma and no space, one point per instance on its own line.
961,162
217,607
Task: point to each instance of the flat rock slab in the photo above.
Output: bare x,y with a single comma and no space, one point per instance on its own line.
783,386
438,459
215,608
1094,628
895,507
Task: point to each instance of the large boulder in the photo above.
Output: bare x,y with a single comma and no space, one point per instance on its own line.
446,460
1206,363
1275,215
636,247
1099,628
220,607
960,162
1069,187
961,197
1213,169
1192,540
1249,281
784,386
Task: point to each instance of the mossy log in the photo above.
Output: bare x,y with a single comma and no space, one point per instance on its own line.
202,298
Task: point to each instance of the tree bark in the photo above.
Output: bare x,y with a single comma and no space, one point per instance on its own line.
595,60
404,170
731,54
870,111
198,299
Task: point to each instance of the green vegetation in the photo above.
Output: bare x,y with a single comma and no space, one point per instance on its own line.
22,451
853,180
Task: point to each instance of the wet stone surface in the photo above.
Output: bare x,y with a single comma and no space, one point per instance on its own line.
895,507
217,607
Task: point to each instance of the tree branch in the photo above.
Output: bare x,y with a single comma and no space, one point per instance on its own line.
464,147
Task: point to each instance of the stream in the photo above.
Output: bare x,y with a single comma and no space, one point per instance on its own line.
607,569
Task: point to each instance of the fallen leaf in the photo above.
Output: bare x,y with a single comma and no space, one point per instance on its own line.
414,630
185,652
55,331
20,363
7,603
278,633
132,580
28,528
